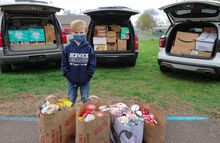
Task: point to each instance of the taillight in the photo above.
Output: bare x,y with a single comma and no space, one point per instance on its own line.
1,39
136,42
162,42
63,37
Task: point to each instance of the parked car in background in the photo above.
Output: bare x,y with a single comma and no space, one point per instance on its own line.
30,32
112,34
192,41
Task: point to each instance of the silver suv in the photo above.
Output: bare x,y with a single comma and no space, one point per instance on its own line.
30,32
191,42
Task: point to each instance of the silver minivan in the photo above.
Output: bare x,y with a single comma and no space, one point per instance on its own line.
194,30
30,32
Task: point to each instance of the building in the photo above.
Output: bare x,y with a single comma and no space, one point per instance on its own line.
67,19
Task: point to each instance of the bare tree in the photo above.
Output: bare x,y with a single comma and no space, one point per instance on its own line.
146,20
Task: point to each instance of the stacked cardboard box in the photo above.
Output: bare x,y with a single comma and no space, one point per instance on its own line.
99,39
205,42
124,33
187,43
122,45
100,31
201,53
111,38
49,33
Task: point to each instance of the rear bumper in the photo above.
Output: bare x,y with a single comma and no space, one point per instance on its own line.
190,67
15,59
122,57
211,65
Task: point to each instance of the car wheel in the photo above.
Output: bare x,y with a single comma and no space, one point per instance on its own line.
131,63
217,77
5,68
58,64
164,69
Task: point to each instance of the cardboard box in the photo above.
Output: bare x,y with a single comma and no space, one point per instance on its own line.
18,35
100,31
112,46
111,36
201,53
116,28
184,43
124,30
100,47
58,127
209,29
125,36
124,33
37,35
205,54
49,33
206,41
99,40
122,45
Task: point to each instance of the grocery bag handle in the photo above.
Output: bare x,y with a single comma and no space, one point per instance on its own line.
95,99
117,137
128,134
114,134
52,99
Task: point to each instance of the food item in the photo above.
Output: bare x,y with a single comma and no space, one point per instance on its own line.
90,109
89,117
104,108
49,109
135,108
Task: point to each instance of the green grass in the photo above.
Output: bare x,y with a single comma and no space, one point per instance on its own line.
199,92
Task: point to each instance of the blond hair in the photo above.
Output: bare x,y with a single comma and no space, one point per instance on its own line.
76,24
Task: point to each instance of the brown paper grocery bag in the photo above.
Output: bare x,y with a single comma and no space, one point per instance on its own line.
155,133
58,127
94,131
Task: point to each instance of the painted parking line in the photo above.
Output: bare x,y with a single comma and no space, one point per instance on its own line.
187,118
18,118
169,118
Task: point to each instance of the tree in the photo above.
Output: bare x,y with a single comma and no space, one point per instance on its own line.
146,20
66,12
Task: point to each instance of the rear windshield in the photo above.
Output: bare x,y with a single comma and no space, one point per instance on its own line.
29,33
195,10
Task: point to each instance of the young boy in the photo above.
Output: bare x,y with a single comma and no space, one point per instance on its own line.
78,62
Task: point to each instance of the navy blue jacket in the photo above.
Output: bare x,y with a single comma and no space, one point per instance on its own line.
78,63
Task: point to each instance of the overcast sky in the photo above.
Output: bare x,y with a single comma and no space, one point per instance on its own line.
81,5
77,6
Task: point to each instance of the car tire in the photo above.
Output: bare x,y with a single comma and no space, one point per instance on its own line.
132,62
164,69
58,64
5,68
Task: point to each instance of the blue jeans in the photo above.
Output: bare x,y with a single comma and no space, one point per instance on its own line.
72,92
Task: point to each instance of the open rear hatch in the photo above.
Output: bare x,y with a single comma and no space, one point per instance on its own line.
30,27
111,29
194,32
193,11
